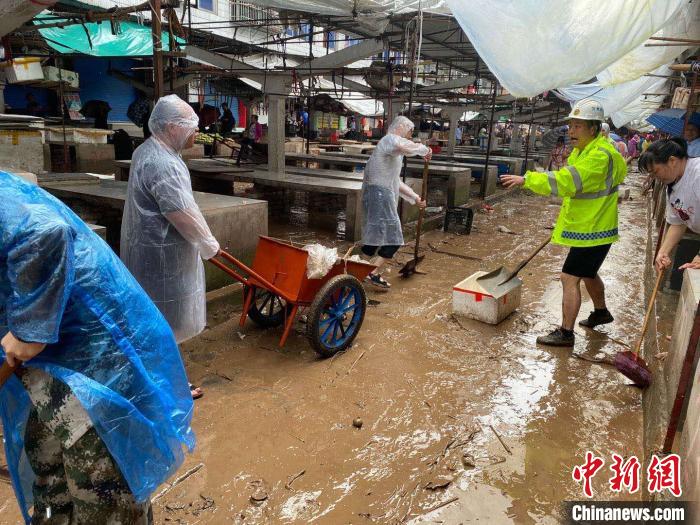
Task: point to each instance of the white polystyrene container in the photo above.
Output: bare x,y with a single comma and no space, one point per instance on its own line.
471,300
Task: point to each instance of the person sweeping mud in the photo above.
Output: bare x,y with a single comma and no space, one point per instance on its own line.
381,189
587,221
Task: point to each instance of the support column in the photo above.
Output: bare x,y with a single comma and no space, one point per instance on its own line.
276,89
2,98
392,106
453,113
275,133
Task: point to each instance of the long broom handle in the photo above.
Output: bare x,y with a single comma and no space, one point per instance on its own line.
648,314
6,372
421,212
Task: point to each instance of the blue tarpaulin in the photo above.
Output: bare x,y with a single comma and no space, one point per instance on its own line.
97,39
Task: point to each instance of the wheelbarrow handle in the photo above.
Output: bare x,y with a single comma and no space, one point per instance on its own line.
251,273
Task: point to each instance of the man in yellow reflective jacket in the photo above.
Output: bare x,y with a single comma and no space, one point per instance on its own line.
587,220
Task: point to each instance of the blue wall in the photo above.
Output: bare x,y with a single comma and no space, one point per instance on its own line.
213,99
97,84
15,96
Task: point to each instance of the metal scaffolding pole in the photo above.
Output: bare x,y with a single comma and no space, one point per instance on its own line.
157,50
484,175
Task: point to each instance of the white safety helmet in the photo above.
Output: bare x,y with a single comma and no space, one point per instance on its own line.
587,109
605,127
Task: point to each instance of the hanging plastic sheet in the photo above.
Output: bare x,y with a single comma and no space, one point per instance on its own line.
535,45
642,107
616,97
61,284
132,40
684,25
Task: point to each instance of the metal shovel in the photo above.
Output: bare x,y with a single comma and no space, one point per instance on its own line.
410,267
491,281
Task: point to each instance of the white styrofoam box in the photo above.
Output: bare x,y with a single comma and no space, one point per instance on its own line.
22,69
471,300
79,135
69,77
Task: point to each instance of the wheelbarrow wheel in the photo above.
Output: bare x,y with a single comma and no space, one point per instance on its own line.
336,315
267,310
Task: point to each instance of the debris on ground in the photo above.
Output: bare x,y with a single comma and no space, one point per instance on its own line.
503,229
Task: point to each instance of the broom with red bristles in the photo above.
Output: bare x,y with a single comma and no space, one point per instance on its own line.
629,363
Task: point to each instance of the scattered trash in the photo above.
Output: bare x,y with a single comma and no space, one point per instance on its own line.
373,302
433,209
661,356
503,229
357,422
240,335
293,478
260,492
668,338
468,461
320,260
440,483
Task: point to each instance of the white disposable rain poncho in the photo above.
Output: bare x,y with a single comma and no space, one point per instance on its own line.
164,235
382,186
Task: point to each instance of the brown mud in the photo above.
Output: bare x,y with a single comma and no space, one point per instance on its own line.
472,417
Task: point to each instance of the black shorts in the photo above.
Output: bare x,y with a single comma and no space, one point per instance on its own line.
383,251
586,261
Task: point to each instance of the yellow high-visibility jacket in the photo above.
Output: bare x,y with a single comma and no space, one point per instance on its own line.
588,185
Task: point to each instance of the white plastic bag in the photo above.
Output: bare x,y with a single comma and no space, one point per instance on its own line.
320,260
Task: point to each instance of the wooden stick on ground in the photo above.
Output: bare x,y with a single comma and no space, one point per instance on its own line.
499,439
179,480
293,478
452,254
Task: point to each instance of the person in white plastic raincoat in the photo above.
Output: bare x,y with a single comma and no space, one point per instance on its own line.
381,189
164,236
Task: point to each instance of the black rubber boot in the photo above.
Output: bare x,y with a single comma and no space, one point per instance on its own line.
597,317
558,337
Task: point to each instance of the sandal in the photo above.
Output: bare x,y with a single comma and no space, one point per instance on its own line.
377,280
195,391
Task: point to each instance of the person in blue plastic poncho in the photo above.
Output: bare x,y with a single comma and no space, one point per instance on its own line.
98,411
164,236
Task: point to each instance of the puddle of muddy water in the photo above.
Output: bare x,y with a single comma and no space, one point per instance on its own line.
428,388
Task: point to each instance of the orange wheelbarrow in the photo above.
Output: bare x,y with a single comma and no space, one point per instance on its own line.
276,287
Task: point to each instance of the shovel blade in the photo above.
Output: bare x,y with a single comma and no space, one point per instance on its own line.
492,280
410,267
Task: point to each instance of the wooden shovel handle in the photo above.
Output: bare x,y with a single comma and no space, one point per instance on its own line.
524,262
659,278
6,372
421,212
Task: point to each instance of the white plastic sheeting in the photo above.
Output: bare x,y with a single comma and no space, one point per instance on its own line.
642,107
614,98
357,8
685,25
535,45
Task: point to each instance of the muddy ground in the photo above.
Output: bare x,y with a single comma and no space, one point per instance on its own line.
454,412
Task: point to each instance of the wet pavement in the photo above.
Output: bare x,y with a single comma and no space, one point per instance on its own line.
461,422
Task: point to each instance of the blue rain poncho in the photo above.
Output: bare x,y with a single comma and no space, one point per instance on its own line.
60,284
382,186
164,235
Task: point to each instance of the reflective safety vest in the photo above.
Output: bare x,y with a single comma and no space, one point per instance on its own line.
588,185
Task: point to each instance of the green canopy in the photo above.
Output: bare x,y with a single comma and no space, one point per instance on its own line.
133,40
